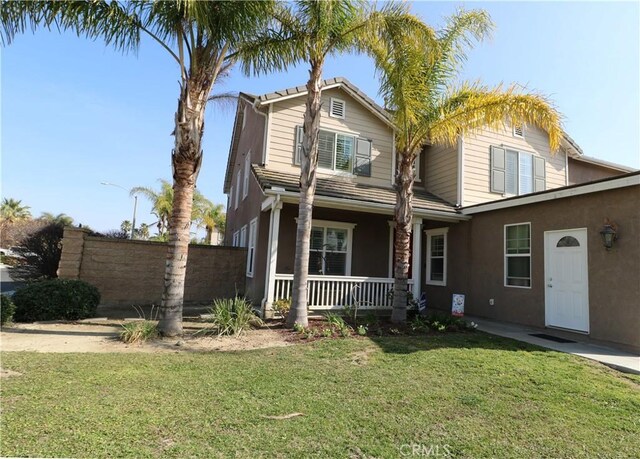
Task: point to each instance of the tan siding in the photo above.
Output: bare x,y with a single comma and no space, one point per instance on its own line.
477,161
288,114
441,172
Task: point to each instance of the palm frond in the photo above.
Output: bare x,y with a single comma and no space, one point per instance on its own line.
472,107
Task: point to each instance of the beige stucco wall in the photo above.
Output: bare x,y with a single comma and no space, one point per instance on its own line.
359,121
477,160
132,272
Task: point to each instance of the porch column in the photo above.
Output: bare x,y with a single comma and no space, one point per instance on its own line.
416,257
272,258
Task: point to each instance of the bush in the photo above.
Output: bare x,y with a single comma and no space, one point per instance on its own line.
56,299
42,250
139,331
232,316
7,309
282,307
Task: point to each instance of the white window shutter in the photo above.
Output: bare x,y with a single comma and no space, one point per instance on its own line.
298,149
498,170
539,174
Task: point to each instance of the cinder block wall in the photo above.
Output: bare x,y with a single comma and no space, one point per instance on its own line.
132,272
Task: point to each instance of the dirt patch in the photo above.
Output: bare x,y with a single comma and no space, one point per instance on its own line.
361,358
89,337
8,373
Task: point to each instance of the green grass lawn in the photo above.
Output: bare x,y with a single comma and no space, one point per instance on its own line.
465,395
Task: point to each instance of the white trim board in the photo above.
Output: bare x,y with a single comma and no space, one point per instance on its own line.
554,194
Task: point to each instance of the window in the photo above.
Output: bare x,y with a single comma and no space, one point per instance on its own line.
339,152
516,172
236,239
337,108
247,171
251,252
568,241
330,248
416,168
231,197
517,250
243,236
237,188
437,256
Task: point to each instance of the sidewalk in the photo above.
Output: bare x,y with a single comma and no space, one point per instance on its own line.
614,358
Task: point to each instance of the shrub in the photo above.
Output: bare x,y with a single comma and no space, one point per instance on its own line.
41,251
232,316
56,299
338,324
139,331
7,309
282,307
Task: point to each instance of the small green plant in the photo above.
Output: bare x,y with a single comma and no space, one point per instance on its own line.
7,309
232,316
298,328
138,331
419,324
282,307
56,299
308,333
338,324
362,330
327,332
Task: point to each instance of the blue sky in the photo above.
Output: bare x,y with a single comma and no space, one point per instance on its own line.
76,113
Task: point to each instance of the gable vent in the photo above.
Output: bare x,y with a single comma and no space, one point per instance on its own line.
518,130
337,108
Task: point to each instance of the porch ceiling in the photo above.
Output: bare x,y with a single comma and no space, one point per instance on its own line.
362,195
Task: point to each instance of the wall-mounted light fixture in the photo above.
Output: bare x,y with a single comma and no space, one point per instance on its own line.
609,233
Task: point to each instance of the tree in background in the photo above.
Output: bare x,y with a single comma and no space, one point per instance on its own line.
12,210
418,76
198,36
60,219
125,226
212,217
308,31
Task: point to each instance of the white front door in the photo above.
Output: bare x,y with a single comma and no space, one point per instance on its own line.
566,279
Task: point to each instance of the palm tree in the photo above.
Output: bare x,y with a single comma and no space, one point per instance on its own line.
310,31
142,232
212,217
12,210
60,219
417,82
162,201
198,36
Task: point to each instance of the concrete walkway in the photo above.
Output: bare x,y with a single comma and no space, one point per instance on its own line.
614,358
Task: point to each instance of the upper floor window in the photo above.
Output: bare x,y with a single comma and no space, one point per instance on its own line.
516,172
243,236
237,189
337,108
247,171
339,152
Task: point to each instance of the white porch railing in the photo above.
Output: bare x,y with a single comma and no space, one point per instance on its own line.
334,292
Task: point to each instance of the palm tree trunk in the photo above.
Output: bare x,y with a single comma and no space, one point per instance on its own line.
403,216
308,165
186,159
209,236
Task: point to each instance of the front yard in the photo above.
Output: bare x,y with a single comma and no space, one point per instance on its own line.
450,395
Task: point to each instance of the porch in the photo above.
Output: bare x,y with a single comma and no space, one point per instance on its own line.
336,292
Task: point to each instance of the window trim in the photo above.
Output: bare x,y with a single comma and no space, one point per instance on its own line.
238,177
251,247
247,168
236,239
430,233
334,171
344,108
338,225
416,168
507,256
519,152
243,236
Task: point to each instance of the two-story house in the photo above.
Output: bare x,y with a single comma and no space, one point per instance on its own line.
496,217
